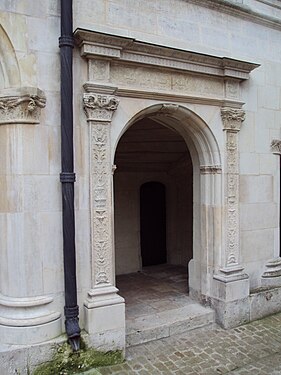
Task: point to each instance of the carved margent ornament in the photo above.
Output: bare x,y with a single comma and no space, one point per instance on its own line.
99,107
22,109
232,118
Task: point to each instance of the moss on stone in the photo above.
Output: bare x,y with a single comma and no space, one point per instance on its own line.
67,362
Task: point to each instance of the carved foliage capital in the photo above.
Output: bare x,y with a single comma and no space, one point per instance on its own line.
210,169
232,118
99,107
276,146
24,108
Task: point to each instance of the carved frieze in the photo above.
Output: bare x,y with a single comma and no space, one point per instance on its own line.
99,107
150,79
24,108
276,146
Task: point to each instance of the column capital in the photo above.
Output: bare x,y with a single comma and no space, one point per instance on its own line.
99,107
232,118
276,146
21,105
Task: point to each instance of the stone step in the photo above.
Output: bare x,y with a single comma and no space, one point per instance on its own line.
167,323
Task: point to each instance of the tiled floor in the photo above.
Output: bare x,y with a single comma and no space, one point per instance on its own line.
155,289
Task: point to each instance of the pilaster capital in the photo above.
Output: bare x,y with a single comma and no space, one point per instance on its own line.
99,107
276,146
232,118
21,106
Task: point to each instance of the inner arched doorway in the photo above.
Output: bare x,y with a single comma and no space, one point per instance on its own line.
153,223
153,189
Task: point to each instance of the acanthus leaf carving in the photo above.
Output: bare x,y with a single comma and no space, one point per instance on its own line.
232,118
24,109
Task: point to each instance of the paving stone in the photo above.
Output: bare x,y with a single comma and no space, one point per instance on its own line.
251,349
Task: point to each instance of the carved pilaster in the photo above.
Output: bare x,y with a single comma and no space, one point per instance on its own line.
21,106
99,110
102,301
232,120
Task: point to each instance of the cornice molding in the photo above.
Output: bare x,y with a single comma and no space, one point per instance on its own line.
21,106
242,11
122,49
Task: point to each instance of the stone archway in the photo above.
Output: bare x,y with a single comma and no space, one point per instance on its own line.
150,154
206,161
150,81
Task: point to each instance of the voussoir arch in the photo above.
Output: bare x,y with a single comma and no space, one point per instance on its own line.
199,138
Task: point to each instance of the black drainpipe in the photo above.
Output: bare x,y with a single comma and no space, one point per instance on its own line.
67,177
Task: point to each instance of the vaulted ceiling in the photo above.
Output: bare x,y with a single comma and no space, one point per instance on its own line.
150,146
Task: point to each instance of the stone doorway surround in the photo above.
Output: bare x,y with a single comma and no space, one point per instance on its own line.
128,80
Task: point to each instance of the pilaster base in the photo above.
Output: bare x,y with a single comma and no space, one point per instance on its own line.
230,299
233,313
272,274
105,319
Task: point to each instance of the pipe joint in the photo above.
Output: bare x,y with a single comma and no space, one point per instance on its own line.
67,177
66,41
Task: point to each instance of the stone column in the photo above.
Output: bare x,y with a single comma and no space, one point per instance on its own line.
231,284
27,314
104,308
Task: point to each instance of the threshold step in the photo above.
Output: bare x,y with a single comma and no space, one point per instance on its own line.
167,323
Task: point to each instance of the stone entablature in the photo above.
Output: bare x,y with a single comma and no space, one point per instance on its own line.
21,106
131,68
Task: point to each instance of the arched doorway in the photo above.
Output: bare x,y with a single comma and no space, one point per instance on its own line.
153,190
